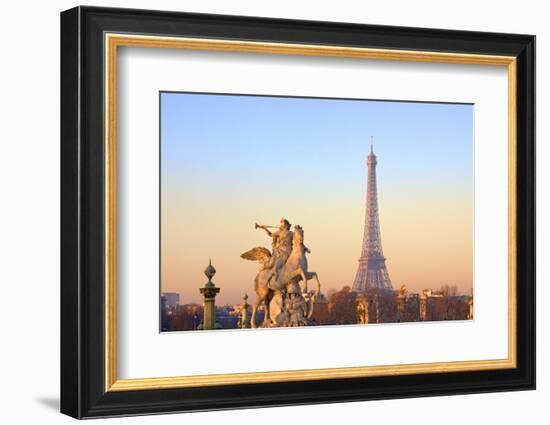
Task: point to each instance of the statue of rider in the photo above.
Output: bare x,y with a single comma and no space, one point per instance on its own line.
282,247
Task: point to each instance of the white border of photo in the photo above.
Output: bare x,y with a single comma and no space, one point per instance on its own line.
143,352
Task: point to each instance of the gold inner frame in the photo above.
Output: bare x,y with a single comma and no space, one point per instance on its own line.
113,41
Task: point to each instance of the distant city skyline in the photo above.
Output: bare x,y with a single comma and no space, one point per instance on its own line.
228,161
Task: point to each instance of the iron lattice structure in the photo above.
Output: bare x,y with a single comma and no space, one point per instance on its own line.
372,271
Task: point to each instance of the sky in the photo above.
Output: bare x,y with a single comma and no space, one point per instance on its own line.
229,161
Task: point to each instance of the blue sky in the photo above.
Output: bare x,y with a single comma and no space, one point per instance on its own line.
230,160
230,134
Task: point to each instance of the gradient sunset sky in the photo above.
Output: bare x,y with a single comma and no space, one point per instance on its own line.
228,161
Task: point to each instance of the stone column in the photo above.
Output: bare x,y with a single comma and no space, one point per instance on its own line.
423,307
401,297
209,291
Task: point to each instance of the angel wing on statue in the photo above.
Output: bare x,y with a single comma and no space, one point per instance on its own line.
260,254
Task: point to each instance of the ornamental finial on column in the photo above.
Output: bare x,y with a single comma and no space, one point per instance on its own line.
210,271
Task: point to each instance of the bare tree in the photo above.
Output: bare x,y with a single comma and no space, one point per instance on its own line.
342,306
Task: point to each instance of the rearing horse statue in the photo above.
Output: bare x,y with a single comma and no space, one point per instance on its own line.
292,277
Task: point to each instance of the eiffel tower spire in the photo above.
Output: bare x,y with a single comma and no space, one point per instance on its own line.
372,271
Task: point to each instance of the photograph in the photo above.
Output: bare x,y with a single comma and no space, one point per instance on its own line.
280,211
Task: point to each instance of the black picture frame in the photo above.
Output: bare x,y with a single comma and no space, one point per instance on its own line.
83,392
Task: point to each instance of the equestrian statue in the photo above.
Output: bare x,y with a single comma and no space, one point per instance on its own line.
281,284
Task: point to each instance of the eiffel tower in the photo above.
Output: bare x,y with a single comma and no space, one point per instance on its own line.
372,271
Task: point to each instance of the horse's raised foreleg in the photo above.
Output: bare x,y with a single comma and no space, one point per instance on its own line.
313,276
303,284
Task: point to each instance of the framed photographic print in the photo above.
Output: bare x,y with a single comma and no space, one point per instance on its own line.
261,212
